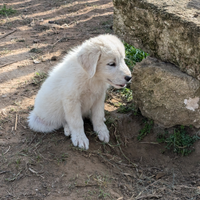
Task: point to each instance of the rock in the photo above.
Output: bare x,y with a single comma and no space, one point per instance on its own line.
36,41
168,30
160,175
20,40
37,61
35,50
3,112
165,94
2,141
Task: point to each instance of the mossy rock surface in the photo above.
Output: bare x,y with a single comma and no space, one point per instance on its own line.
167,30
165,94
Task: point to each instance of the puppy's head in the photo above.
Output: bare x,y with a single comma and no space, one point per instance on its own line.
103,57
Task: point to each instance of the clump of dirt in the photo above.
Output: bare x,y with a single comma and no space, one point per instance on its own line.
46,166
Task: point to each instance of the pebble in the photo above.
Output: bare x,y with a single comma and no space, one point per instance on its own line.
36,41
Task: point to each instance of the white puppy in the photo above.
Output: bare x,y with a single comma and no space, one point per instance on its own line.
77,87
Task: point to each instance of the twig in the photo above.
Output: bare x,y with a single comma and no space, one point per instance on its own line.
107,160
7,150
23,126
32,139
173,178
5,27
3,172
185,186
58,41
138,196
150,196
7,64
34,172
9,194
8,34
14,178
122,151
87,185
149,143
16,123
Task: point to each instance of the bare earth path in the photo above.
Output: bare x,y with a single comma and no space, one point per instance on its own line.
37,166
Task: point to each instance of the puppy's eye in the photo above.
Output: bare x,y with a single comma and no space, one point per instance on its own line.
112,64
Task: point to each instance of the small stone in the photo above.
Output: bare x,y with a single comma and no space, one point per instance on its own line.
160,175
20,40
35,50
36,41
2,141
36,61
3,112
51,22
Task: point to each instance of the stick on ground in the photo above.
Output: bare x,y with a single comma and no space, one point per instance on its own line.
16,123
7,64
8,34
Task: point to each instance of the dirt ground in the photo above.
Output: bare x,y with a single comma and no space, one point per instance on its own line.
38,166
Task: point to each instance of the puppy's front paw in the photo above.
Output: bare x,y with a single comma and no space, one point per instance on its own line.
80,140
102,133
66,130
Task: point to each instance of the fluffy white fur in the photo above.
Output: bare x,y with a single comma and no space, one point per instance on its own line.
77,87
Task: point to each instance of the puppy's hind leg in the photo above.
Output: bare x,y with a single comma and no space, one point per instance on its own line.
40,125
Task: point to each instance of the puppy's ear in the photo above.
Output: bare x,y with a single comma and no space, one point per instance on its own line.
88,58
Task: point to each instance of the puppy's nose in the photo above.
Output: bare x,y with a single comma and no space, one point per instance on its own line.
127,78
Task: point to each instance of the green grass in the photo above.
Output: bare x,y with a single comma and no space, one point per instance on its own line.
62,158
35,50
110,121
148,125
103,194
126,94
125,108
6,11
39,77
133,55
179,142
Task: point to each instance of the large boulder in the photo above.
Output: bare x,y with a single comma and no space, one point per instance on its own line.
165,94
168,30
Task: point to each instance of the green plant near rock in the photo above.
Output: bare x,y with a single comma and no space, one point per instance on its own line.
126,94
39,77
126,108
180,142
133,55
148,125
6,11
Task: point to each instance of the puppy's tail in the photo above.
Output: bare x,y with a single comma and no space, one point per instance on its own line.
39,125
